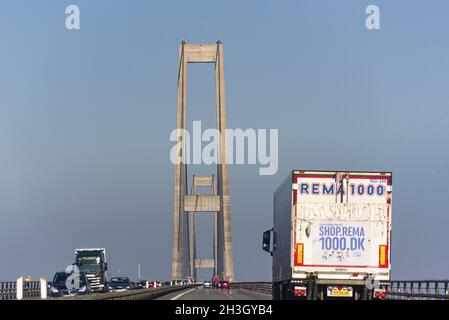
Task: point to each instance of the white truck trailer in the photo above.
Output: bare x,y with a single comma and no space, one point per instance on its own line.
331,235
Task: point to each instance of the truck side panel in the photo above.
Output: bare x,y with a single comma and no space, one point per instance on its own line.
282,235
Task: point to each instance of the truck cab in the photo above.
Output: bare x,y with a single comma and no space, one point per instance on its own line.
93,263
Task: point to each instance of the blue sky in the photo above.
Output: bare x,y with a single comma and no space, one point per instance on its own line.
85,118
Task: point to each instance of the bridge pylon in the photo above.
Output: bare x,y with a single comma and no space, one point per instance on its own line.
186,206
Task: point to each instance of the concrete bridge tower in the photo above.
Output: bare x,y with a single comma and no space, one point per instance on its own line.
186,206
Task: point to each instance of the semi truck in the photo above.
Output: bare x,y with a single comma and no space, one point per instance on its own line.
331,235
93,263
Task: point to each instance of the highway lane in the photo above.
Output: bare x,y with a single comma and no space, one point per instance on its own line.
200,293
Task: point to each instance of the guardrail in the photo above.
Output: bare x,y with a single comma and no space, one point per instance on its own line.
397,290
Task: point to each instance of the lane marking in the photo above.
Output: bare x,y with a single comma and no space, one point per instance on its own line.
181,294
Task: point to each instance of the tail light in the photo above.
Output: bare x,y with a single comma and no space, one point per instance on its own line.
299,254
299,291
383,256
380,294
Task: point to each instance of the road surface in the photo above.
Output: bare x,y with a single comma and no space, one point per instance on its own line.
200,293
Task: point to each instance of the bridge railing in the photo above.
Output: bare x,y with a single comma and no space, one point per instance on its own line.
136,294
30,289
397,290
8,290
419,290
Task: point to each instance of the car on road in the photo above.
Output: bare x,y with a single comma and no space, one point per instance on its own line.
154,284
136,285
119,284
224,285
207,284
69,284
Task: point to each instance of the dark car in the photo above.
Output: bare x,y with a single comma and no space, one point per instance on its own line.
69,284
118,284
136,285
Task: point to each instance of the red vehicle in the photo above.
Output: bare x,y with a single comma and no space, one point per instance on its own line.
154,284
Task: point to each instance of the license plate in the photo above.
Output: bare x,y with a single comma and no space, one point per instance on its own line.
335,292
